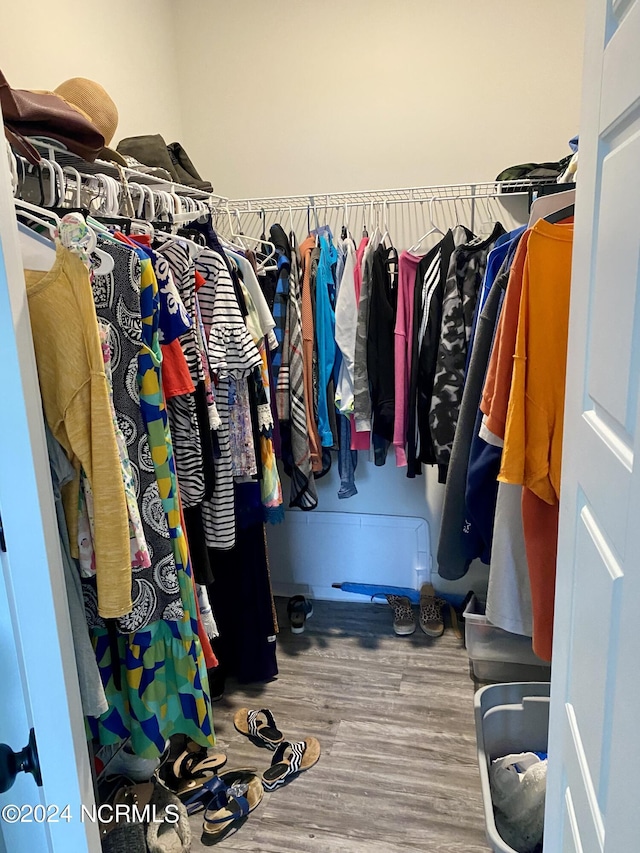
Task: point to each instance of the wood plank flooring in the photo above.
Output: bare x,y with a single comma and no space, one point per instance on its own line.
394,716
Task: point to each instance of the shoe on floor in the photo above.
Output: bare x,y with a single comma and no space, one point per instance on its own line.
299,609
404,620
431,620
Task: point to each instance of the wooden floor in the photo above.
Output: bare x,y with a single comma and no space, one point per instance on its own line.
394,716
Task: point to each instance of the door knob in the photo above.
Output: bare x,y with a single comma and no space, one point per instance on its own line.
25,761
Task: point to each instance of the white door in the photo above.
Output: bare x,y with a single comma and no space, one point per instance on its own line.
38,678
593,801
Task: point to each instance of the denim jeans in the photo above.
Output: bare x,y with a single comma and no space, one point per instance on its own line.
347,459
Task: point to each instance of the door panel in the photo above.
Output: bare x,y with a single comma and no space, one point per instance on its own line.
593,603
612,335
594,739
38,661
572,841
619,84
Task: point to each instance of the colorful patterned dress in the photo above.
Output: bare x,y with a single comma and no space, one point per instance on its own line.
164,689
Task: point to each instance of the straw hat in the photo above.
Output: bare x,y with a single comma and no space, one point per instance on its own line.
90,98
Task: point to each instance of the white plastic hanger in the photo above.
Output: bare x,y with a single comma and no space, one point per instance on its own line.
13,166
432,230
385,226
194,249
546,204
77,178
49,220
37,252
41,216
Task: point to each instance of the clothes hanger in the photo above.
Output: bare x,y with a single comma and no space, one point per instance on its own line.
13,166
344,234
38,253
262,263
365,231
41,216
194,249
243,239
375,237
433,229
486,226
385,226
61,181
546,204
77,177
84,240
559,215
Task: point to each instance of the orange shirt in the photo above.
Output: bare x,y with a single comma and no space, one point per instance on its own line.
532,453
497,386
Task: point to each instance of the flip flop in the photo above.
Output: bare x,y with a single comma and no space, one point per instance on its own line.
239,794
192,768
289,760
258,725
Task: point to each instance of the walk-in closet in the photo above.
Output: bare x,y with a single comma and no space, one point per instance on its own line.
319,337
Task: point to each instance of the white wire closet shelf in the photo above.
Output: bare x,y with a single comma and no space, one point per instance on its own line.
406,195
67,158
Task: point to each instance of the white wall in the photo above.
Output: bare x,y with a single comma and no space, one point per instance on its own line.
313,97
127,48
369,94
296,96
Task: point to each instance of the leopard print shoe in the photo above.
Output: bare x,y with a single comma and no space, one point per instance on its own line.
431,620
404,620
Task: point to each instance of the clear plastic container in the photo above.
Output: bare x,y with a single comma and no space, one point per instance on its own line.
497,655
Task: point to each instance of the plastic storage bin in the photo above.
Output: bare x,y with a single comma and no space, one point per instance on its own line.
497,655
509,718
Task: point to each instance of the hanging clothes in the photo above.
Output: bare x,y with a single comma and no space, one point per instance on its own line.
380,348
346,319
325,338
76,404
158,685
532,454
232,355
453,560
117,304
430,280
246,646
362,397
464,279
291,388
308,347
94,701
270,487
403,351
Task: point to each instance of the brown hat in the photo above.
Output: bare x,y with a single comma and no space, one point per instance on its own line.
93,100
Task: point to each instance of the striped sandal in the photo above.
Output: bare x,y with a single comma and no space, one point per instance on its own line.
289,760
237,795
260,726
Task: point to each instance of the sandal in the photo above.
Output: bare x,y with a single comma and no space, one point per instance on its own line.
205,795
258,725
192,768
289,760
238,794
431,606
